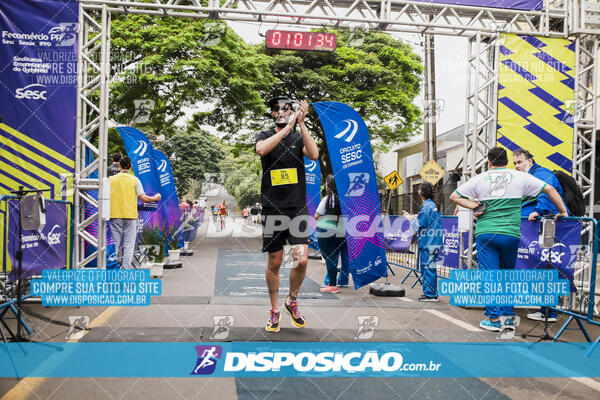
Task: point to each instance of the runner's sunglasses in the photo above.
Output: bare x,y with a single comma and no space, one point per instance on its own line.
283,107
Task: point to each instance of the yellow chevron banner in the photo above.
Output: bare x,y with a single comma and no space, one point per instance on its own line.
536,98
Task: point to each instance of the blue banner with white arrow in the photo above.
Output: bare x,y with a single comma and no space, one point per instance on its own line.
349,147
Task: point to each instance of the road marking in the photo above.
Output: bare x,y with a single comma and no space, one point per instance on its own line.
28,385
453,320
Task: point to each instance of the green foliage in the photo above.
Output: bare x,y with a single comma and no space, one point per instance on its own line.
243,172
174,237
115,144
192,152
182,62
154,237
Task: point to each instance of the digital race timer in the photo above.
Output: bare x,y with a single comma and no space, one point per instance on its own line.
294,40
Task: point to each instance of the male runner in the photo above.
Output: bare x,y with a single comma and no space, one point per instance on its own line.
283,197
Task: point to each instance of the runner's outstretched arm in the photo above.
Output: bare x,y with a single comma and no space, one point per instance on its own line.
310,148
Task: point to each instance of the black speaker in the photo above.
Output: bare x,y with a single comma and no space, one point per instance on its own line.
33,212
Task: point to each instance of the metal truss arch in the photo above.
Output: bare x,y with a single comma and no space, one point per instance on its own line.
559,18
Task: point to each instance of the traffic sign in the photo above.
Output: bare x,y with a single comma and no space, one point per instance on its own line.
393,180
431,172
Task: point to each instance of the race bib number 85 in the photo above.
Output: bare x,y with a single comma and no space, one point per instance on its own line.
287,176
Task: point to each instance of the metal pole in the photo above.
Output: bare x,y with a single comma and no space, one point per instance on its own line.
432,98
103,132
79,163
427,102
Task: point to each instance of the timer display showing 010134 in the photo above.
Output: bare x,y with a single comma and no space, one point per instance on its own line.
294,40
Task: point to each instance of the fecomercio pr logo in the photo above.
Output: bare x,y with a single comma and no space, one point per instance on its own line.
207,359
65,33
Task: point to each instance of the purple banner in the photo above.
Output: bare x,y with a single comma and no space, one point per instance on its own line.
513,4
46,249
561,256
349,147
448,256
398,233
38,72
169,199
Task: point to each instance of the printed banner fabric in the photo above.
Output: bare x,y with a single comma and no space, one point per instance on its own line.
47,249
562,256
169,198
536,98
140,151
352,162
312,171
514,4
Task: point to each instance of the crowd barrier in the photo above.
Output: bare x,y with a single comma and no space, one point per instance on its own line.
574,255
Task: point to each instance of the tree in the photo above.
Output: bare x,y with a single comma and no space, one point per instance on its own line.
192,152
167,64
242,169
379,77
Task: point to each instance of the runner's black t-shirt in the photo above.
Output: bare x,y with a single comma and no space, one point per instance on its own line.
283,182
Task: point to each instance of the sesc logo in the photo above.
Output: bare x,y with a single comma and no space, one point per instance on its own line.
32,92
141,149
54,237
311,166
558,255
207,359
162,166
352,124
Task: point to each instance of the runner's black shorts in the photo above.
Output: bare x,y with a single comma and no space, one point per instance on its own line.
284,225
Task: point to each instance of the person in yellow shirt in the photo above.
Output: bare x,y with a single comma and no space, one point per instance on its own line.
125,189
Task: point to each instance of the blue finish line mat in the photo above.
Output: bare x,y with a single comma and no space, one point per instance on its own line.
241,273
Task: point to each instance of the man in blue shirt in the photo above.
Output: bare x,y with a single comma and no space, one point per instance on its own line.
541,206
429,225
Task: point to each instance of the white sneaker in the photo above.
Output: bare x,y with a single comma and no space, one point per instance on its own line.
538,316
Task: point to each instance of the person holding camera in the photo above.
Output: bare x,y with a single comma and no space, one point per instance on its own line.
498,229
428,223
283,196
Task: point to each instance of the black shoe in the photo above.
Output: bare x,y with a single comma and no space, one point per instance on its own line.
429,299
292,308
